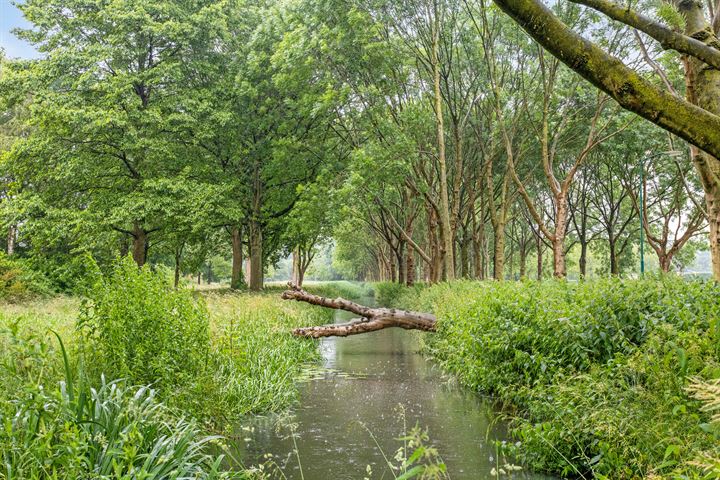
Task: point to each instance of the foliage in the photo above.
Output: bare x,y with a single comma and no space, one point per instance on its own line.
389,294
139,328
68,429
18,282
593,373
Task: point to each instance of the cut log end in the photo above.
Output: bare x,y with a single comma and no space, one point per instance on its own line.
371,319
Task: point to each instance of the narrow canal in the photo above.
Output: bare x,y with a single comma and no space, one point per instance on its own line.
374,387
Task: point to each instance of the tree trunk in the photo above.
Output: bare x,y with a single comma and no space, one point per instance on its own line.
410,259
371,319
400,255
301,272
246,271
558,241
523,261
236,279
256,256
12,235
139,245
464,257
539,249
445,228
712,200
703,89
614,267
499,252
665,261
583,259
295,274
434,247
178,260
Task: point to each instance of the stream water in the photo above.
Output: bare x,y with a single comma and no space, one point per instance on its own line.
373,387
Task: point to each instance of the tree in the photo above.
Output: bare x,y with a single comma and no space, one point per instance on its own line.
108,99
695,119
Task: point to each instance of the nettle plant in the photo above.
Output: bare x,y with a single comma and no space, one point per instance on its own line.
139,328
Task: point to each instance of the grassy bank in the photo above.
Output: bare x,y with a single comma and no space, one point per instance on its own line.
73,374
605,379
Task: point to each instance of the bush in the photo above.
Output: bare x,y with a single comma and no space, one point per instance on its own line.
139,328
18,282
594,372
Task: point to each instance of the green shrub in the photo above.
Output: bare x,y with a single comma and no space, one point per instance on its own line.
139,328
18,282
593,373
348,290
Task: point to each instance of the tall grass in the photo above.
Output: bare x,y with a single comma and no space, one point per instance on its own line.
256,361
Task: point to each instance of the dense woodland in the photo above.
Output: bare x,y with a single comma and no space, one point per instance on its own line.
427,140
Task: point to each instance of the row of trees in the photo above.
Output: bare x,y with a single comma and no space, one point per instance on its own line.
484,147
430,138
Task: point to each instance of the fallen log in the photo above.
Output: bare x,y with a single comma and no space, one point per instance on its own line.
370,319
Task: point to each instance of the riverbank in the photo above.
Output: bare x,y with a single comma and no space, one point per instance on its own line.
72,400
600,379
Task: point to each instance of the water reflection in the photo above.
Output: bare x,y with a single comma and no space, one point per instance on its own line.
378,383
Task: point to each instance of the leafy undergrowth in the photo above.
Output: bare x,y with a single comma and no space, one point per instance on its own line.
18,282
594,375
199,362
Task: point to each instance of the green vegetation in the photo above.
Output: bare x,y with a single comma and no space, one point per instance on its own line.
141,329
407,142
71,409
593,374
19,282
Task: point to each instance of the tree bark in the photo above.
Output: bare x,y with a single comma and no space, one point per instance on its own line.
614,267
295,275
539,249
499,251
409,259
12,235
371,319
665,262
139,245
237,259
582,263
523,261
703,89
445,227
558,240
712,201
256,256
178,265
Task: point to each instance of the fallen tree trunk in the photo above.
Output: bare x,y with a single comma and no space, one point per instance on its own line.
370,319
